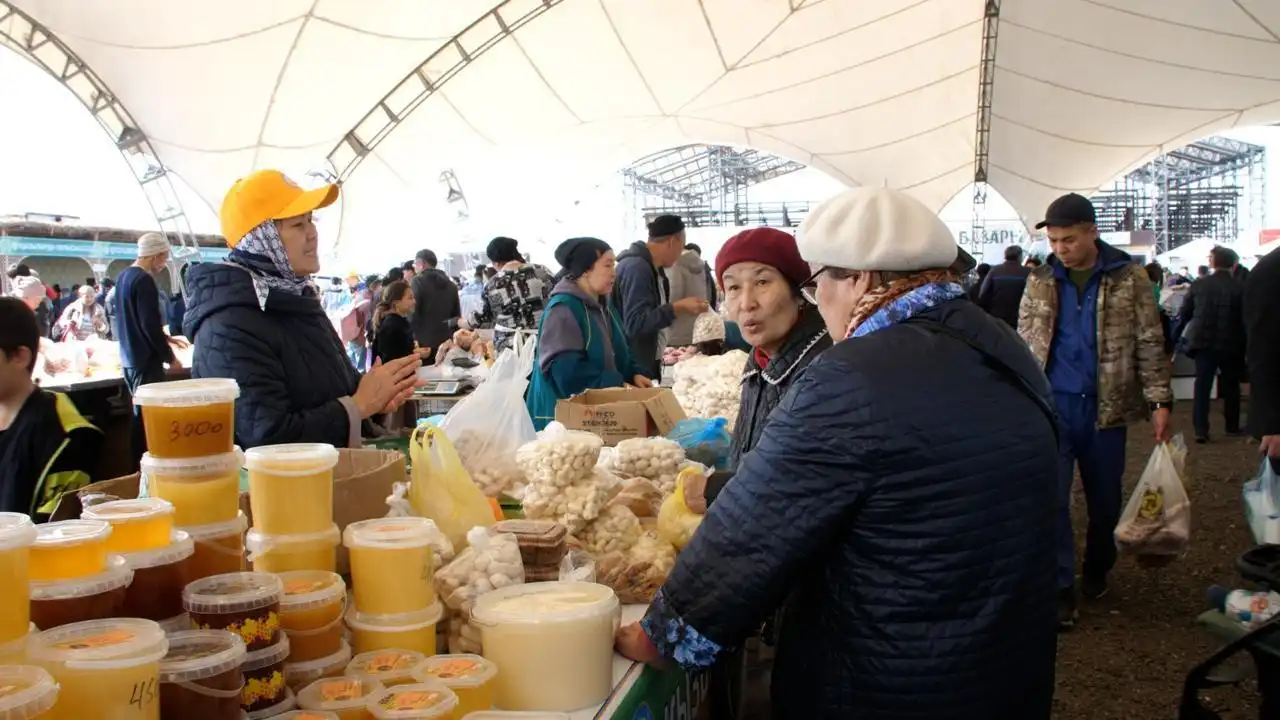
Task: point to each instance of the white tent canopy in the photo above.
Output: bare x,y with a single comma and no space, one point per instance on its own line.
871,92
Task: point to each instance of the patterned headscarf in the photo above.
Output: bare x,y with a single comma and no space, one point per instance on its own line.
262,253
902,298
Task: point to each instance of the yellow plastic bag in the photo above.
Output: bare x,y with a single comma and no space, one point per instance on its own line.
442,490
676,522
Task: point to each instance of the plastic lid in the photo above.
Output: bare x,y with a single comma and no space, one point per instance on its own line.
176,624
214,531
319,667
413,702
200,654
338,694
259,544
201,467
386,664
394,623
187,393
71,532
117,575
293,459
390,533
544,531
16,530
456,671
267,656
556,602
26,692
307,589
101,644
232,593
510,715
307,715
285,705
124,511
180,547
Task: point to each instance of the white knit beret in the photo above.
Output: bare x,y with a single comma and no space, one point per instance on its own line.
876,228
152,243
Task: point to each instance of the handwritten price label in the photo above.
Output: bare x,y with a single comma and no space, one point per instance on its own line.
144,693
179,430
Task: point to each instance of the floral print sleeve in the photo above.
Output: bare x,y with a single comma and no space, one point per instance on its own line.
676,639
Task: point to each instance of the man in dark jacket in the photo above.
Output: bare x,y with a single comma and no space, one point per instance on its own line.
641,293
1262,322
911,547
1216,341
437,307
1001,293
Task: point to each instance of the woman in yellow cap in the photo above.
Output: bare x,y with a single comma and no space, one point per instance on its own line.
256,317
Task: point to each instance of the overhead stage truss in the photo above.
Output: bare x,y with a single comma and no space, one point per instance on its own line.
1213,188
707,185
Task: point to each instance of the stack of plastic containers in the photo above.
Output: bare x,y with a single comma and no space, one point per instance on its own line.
392,565
73,577
103,668
200,678
17,534
311,616
291,495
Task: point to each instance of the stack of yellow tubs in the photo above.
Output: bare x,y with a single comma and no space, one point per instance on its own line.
17,534
291,498
73,574
142,533
392,566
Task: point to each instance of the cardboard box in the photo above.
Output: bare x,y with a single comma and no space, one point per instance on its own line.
622,413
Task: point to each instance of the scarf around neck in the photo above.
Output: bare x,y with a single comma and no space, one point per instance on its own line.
262,253
901,299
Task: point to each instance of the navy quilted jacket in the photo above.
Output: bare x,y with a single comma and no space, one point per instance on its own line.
902,499
288,360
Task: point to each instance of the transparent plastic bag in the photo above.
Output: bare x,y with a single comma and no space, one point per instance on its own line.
578,566
1262,504
676,522
491,561
442,490
636,575
1156,524
705,440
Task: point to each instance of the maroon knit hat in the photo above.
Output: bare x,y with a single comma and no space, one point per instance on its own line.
767,246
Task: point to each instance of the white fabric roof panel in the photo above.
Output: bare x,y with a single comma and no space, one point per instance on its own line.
882,92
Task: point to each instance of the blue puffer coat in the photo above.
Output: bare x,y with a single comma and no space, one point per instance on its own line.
902,498
291,366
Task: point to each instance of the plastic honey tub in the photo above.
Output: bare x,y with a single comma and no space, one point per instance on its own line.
159,577
55,603
189,418
288,553
470,677
245,603
264,686
389,667
26,692
419,701
69,549
219,548
291,487
300,675
200,678
136,525
203,490
392,564
105,669
17,533
551,642
410,631
311,613
346,697
288,703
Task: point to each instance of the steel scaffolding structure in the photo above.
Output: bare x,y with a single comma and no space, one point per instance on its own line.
1193,192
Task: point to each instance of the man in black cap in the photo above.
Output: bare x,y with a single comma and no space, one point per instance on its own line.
641,292
1090,317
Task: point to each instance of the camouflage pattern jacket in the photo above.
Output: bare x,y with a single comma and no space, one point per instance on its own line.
1133,369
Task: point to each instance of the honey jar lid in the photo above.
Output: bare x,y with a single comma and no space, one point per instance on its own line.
26,691
117,575
200,654
100,644
391,533
302,673
213,531
195,468
267,656
125,511
187,393
419,701
338,694
291,459
16,530
391,664
309,589
456,671
402,622
232,593
180,547
71,532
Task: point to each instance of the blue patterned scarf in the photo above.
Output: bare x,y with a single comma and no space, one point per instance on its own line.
906,305
262,253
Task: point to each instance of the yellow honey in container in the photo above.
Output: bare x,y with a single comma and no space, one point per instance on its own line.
410,631
389,667
291,487
136,525
346,697
419,701
300,675
203,491
69,549
392,564
26,692
17,533
14,652
288,553
189,418
311,613
105,669
470,677
219,548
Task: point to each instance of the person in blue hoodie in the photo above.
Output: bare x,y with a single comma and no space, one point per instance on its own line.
581,345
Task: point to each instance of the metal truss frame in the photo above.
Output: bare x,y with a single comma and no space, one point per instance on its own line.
23,34
982,132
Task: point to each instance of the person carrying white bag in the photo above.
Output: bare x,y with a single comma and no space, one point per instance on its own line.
1156,524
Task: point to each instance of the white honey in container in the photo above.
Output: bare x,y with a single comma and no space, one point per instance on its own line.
552,643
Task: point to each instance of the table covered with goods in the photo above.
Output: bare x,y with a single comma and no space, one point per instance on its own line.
191,603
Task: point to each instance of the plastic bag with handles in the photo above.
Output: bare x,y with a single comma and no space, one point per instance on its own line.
1262,504
442,490
1156,524
676,522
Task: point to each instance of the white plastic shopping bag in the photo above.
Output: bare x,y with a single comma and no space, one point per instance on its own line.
1156,524
1262,504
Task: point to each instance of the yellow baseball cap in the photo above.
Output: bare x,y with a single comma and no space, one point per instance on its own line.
268,195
